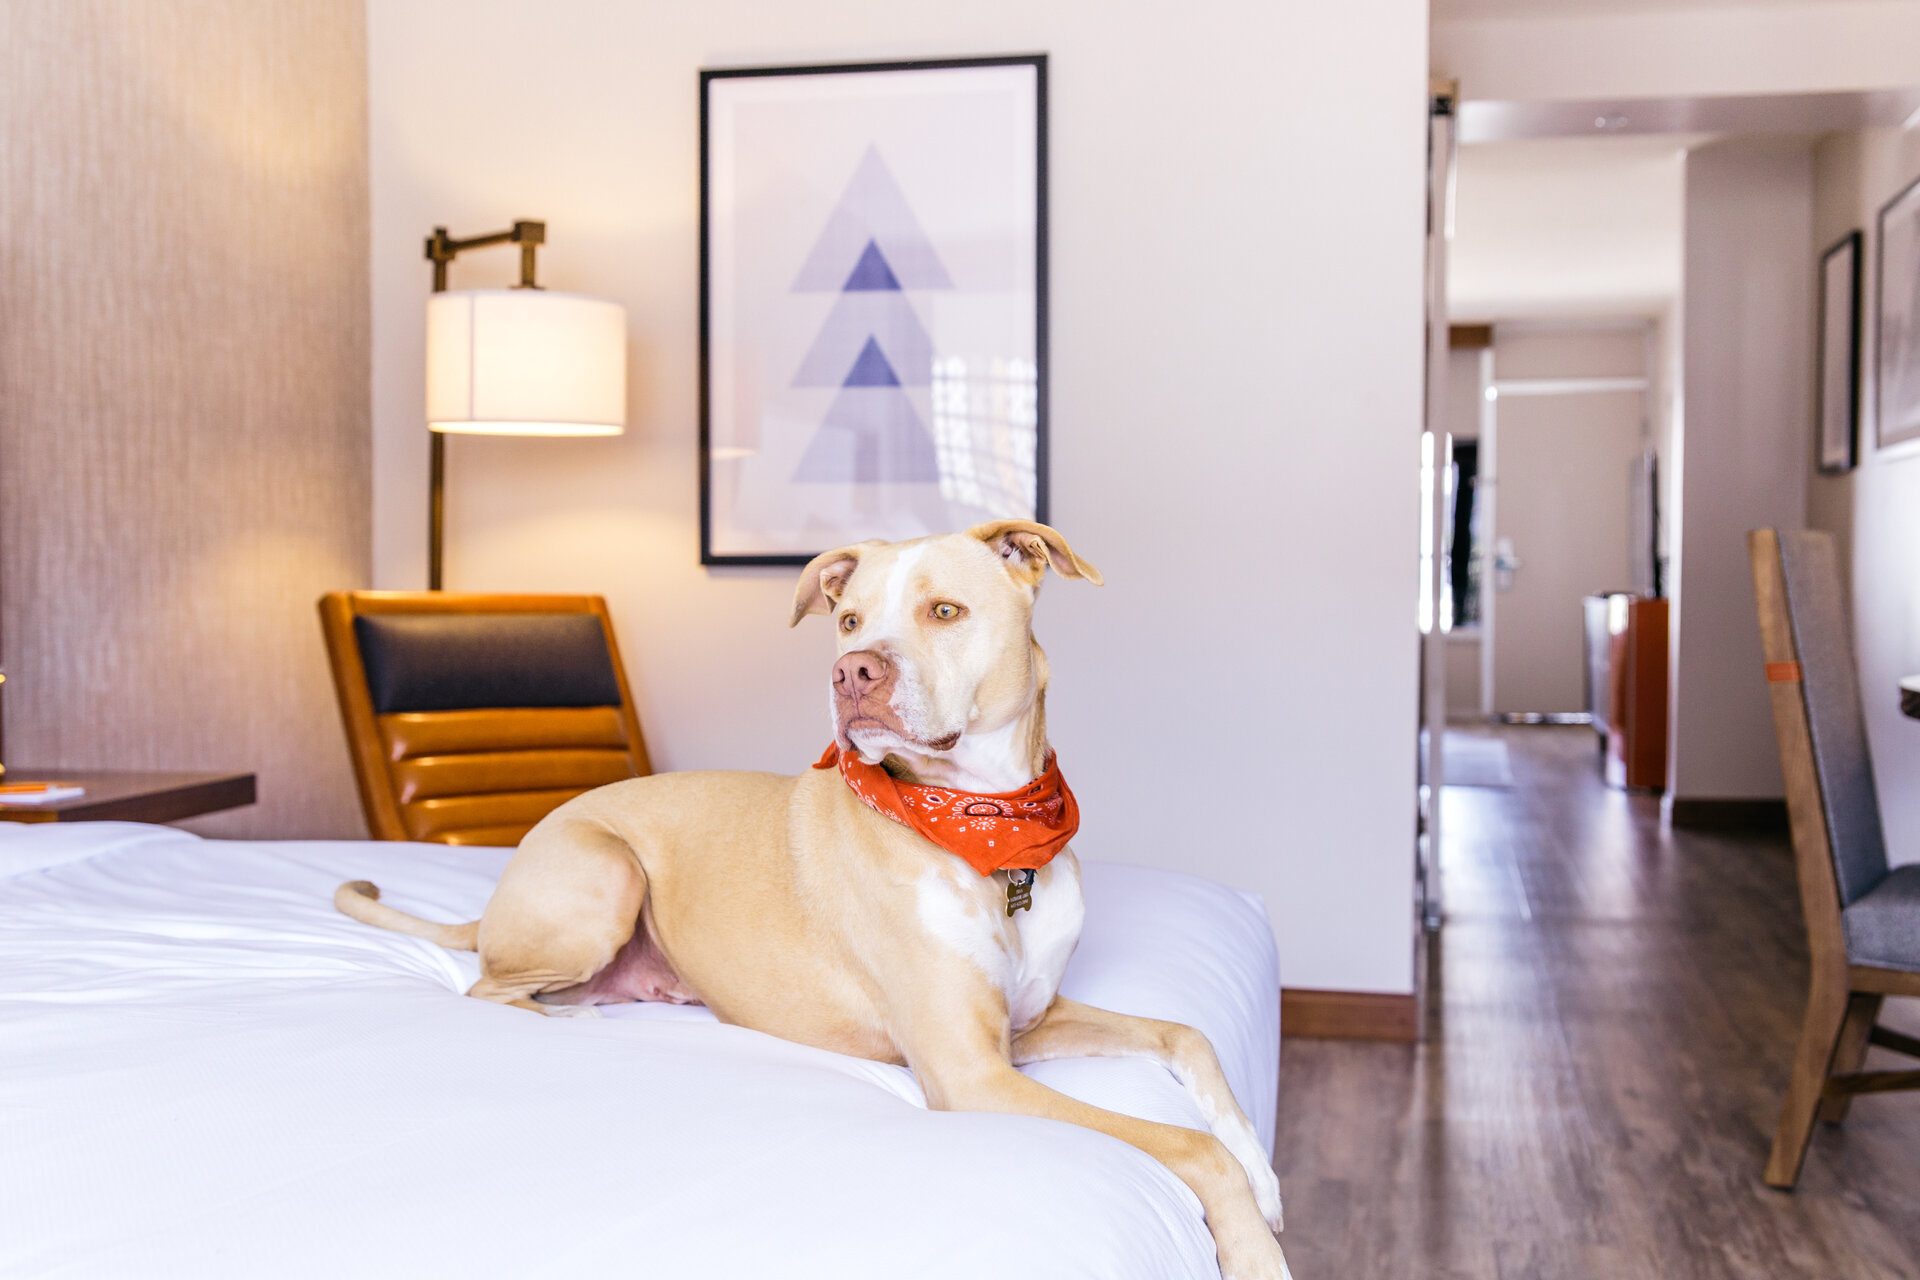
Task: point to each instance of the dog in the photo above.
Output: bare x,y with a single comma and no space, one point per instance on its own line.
737,890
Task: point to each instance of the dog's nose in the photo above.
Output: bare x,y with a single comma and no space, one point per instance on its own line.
858,672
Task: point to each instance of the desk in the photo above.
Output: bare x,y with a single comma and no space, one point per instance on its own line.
131,797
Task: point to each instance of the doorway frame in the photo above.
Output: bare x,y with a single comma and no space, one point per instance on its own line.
1487,483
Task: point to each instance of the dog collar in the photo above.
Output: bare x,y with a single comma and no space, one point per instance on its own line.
1012,831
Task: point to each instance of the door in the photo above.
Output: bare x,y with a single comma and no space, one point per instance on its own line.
1568,455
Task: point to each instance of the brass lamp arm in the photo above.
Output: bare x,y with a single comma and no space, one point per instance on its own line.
443,248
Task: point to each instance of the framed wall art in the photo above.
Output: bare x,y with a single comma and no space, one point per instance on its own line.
1839,371
873,304
1897,335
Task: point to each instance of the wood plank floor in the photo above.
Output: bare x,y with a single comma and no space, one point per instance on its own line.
1615,1010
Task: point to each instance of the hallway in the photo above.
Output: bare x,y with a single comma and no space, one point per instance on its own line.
1615,1009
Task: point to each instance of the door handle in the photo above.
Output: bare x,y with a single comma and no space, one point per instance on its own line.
1505,564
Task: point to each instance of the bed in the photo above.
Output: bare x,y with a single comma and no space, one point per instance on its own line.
206,1071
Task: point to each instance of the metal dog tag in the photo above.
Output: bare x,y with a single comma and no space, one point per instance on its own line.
1019,890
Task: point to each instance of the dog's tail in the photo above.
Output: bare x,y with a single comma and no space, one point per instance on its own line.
361,900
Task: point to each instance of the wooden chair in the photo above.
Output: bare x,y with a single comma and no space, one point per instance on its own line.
471,717
1863,920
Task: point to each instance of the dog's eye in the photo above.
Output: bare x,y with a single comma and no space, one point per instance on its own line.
849,621
946,611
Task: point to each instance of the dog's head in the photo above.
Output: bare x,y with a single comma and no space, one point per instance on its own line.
935,635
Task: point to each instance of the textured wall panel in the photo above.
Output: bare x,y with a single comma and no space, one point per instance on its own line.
184,441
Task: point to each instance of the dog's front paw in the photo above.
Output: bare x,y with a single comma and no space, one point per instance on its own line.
1266,1194
1266,1266
1247,1248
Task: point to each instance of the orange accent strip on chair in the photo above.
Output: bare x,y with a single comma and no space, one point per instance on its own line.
1783,673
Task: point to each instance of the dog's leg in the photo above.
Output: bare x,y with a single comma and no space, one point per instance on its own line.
962,1068
1070,1029
564,907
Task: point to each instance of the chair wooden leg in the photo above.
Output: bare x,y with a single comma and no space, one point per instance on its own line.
1851,1052
1827,1008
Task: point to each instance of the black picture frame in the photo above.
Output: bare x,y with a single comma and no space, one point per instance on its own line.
708,78
1836,444
1897,313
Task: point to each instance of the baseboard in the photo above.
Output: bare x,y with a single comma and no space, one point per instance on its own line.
1348,1015
1698,814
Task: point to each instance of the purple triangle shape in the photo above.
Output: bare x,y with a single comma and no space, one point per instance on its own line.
872,209
871,274
888,319
871,369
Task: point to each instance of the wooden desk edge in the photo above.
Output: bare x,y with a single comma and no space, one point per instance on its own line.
213,795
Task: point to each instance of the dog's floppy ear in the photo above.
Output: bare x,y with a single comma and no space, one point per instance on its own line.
822,581
1028,548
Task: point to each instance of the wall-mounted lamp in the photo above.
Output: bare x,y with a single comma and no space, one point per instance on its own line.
515,362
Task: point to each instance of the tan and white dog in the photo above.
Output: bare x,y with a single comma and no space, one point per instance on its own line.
788,905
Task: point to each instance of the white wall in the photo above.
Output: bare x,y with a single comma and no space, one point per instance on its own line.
1875,510
1236,289
1741,460
1681,50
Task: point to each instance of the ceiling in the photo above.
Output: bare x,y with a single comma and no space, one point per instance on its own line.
1443,10
1570,207
1567,227
1798,113
1574,207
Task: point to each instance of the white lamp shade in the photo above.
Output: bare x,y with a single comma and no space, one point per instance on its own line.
525,362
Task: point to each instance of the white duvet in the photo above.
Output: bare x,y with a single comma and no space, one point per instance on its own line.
206,1071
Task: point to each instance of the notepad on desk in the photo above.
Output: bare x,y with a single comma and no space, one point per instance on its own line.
38,792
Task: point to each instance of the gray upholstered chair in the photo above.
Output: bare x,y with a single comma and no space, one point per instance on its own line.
1863,918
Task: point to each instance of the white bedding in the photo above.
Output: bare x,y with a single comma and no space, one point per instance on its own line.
206,1071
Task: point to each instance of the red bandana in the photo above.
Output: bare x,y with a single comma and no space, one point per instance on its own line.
1012,830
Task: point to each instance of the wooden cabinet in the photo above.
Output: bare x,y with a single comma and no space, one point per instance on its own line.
1637,694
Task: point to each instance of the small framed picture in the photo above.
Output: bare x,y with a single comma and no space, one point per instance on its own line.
873,303
1897,336
1839,372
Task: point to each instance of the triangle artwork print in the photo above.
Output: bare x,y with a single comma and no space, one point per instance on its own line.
872,209
872,345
